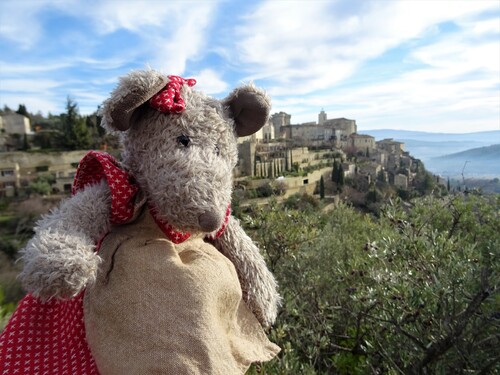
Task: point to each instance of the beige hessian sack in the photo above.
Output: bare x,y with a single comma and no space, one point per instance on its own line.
161,308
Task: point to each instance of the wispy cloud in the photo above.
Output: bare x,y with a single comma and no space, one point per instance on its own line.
385,63
303,47
210,82
170,33
27,85
14,18
439,72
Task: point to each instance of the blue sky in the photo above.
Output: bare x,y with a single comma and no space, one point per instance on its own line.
429,65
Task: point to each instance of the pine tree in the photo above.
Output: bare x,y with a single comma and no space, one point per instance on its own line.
22,110
322,188
26,145
341,176
335,171
75,133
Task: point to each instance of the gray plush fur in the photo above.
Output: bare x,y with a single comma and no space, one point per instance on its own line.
189,186
59,261
258,285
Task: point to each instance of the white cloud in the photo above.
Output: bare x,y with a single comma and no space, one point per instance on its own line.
187,40
306,54
304,46
34,103
210,82
303,66
8,69
18,21
28,86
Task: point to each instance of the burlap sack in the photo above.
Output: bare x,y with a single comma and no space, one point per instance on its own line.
160,308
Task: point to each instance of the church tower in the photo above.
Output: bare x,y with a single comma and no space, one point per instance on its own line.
321,117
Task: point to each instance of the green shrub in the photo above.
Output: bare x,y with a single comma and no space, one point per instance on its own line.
414,292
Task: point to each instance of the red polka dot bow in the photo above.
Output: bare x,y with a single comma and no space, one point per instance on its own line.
169,99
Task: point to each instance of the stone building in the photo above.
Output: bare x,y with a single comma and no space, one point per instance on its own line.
278,120
362,142
322,117
18,169
391,146
332,133
401,181
345,126
371,168
9,179
264,134
15,130
246,159
14,123
306,133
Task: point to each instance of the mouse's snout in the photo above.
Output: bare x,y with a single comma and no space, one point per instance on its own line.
209,221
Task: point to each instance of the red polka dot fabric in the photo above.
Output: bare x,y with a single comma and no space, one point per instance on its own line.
169,231
169,100
46,338
97,165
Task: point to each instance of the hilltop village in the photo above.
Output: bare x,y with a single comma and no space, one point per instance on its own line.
281,157
298,155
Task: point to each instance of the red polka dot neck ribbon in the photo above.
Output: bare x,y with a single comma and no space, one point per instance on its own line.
169,99
49,337
97,165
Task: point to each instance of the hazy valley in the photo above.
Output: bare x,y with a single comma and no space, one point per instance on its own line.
446,154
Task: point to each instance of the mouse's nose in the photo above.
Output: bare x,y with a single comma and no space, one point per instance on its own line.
209,221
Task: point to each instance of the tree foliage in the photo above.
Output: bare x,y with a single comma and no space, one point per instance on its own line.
322,188
338,175
413,292
74,131
22,110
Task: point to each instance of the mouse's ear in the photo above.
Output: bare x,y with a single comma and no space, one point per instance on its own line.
132,91
249,106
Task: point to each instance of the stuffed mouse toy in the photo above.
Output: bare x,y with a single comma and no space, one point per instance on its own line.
144,270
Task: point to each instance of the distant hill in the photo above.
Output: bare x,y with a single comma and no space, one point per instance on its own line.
428,147
482,137
481,153
482,161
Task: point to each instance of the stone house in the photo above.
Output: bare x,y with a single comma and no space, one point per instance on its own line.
15,129
18,169
401,181
391,146
371,169
278,120
343,125
362,142
9,179
349,169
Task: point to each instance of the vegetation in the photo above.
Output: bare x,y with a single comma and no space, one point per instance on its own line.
66,131
6,309
17,220
338,175
415,291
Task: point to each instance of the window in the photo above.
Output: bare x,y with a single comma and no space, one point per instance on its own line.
7,172
42,168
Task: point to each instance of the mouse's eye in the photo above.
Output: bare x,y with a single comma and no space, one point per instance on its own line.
184,140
